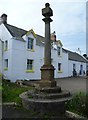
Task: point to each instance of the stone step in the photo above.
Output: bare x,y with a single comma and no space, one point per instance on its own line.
25,97
56,89
42,95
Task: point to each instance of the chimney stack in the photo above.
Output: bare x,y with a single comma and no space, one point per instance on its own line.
53,37
4,18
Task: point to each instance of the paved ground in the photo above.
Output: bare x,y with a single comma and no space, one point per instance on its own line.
74,84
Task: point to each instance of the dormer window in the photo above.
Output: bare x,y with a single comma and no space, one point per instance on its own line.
59,50
30,43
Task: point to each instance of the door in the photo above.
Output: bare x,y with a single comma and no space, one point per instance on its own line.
81,69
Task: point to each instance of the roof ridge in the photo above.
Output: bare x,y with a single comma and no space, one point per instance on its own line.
15,31
15,27
40,35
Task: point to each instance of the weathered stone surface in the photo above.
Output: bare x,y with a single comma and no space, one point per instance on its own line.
47,98
47,70
47,11
47,76
55,106
47,83
48,94
55,89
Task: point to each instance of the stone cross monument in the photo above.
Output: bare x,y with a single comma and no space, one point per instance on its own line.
47,70
47,98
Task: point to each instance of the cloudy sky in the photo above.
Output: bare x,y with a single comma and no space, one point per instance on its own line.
69,19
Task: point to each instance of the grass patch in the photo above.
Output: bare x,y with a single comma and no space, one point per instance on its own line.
11,92
0,87
79,104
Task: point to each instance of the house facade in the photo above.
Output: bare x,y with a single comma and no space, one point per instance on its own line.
22,55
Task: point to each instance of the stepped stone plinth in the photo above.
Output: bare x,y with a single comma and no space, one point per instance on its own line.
47,98
50,101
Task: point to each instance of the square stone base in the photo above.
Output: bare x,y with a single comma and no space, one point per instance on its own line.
47,76
47,83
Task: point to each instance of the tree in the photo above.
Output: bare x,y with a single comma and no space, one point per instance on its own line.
85,55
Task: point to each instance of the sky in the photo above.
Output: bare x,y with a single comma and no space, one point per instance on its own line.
69,19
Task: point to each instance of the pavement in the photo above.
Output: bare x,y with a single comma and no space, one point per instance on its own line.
72,84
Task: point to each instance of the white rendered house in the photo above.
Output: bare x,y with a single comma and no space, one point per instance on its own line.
22,55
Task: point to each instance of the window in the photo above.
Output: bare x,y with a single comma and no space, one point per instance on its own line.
6,64
6,45
30,43
29,64
59,66
58,50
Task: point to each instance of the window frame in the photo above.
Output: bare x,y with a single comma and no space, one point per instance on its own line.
30,43
29,65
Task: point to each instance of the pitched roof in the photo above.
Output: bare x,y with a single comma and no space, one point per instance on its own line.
31,31
15,31
18,33
40,40
75,56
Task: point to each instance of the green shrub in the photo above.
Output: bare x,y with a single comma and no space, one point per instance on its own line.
79,104
1,75
11,92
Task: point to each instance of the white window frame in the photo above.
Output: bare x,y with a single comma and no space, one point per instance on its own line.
30,43
30,64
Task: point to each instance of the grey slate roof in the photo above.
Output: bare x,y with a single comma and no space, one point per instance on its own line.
18,33
75,56
40,40
15,31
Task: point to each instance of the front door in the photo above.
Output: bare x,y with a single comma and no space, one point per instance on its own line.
81,69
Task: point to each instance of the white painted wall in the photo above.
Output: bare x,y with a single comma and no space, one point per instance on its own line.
5,35
20,54
1,56
87,50
87,47
70,67
17,55
63,59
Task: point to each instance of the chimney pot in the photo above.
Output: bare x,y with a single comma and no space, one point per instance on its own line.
4,18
